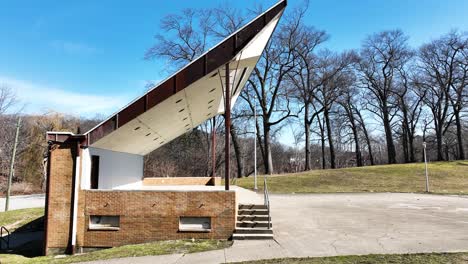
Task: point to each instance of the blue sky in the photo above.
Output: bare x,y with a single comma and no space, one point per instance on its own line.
86,57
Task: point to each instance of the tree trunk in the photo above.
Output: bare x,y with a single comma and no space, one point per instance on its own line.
440,155
405,130
330,138
356,140
461,151
412,158
268,161
366,135
307,140
404,142
238,152
322,141
391,153
259,143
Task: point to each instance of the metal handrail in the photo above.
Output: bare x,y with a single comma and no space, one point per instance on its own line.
7,239
266,200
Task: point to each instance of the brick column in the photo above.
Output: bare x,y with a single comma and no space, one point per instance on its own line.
59,196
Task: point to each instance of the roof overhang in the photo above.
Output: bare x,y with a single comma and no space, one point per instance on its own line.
189,97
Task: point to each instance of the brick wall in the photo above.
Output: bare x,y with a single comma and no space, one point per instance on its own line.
182,181
60,196
144,215
154,215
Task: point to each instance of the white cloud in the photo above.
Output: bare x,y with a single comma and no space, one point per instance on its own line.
38,98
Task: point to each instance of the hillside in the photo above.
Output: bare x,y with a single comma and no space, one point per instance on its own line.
444,178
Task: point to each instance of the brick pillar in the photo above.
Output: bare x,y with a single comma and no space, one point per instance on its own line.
59,196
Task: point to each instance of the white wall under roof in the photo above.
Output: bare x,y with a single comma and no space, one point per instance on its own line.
116,169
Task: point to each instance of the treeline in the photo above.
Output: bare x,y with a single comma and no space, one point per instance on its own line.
373,105
29,169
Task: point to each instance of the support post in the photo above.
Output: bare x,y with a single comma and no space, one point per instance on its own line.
255,144
213,148
12,165
227,129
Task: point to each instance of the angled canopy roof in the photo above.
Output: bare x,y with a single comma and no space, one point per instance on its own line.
189,97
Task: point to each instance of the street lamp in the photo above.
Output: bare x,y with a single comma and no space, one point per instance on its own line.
425,164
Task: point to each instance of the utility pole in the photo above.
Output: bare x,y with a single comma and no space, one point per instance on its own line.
12,164
425,164
255,143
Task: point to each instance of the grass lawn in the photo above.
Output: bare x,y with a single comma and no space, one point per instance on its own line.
16,218
433,258
444,178
155,248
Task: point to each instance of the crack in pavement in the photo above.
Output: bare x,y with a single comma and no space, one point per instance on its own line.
333,245
177,260
380,243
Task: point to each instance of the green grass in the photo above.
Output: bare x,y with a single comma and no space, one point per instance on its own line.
444,177
433,258
16,218
147,249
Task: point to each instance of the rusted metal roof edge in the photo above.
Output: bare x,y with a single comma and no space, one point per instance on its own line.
212,59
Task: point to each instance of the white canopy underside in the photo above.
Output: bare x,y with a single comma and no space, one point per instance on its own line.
190,107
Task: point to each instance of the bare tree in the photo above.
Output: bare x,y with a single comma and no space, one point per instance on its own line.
267,83
7,98
361,120
348,102
186,37
305,79
410,106
381,55
445,75
334,83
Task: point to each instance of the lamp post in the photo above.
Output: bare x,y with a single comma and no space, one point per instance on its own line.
255,144
425,164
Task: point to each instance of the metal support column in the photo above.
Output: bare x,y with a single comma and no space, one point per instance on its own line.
227,123
213,148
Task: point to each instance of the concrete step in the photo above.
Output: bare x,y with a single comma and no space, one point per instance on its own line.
251,236
252,224
250,230
252,206
253,212
252,218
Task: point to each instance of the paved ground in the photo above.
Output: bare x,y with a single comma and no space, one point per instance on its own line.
344,224
24,201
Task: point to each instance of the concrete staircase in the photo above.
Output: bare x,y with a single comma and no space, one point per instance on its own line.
252,222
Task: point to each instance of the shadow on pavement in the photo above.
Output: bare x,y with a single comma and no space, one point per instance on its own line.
27,240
